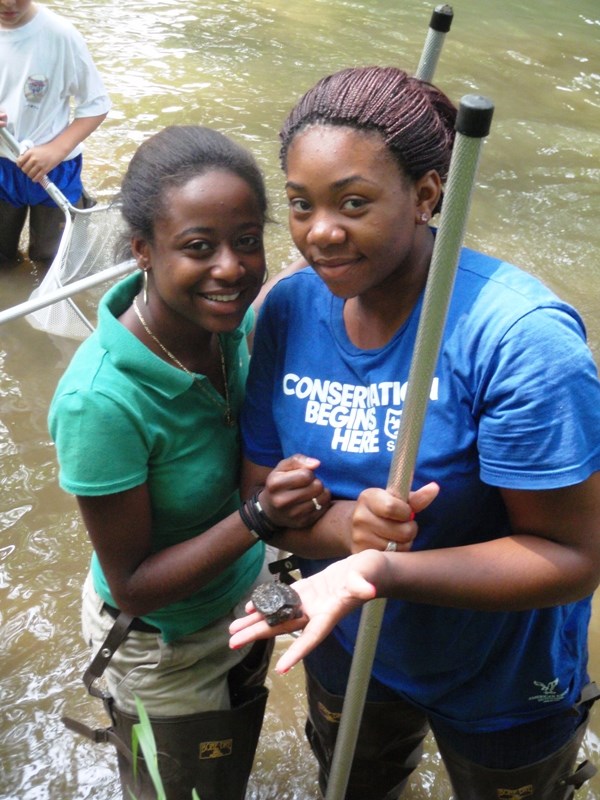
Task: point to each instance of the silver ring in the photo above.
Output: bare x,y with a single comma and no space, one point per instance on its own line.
391,547
316,504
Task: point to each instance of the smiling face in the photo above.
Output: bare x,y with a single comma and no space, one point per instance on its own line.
353,215
206,262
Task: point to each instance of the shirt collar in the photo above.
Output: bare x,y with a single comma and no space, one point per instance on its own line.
126,351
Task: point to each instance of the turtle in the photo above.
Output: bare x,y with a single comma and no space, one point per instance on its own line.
277,601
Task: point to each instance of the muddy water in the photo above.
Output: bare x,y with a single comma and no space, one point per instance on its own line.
239,65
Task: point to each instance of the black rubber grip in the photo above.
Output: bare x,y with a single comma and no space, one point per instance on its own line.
441,19
474,116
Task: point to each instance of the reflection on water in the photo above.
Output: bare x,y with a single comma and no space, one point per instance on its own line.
239,65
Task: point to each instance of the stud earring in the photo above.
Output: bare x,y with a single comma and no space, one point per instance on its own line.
424,217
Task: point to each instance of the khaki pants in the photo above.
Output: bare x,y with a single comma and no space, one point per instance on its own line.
185,677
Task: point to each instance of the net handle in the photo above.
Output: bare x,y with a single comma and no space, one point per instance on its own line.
17,150
29,306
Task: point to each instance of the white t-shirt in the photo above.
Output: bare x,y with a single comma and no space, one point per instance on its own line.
44,67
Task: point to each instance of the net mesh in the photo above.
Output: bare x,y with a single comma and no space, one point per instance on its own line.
88,247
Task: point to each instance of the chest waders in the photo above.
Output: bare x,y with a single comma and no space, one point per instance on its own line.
211,752
389,744
389,748
553,778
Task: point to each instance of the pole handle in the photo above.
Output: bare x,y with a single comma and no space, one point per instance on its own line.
439,25
12,144
441,18
18,149
474,116
64,292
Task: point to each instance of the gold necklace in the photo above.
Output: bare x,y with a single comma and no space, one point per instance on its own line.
229,420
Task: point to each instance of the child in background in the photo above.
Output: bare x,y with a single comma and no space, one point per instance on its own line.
44,64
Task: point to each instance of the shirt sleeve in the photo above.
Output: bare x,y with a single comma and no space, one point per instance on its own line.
87,88
540,410
259,432
101,448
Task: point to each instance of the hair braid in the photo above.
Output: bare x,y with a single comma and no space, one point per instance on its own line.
415,119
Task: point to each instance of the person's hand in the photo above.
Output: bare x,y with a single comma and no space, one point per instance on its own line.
380,518
293,496
38,161
326,598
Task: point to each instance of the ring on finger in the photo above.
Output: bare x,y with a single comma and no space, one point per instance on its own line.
391,547
316,504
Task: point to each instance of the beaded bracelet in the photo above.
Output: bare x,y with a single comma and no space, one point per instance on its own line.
255,519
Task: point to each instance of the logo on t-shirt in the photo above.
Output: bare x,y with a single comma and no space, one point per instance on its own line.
36,87
547,692
353,412
392,423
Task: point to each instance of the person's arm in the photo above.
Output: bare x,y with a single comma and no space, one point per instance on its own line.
552,558
120,525
304,541
331,534
40,159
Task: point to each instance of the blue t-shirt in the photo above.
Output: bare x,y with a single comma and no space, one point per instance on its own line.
515,403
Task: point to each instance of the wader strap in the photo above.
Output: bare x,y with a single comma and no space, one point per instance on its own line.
115,636
284,567
583,773
589,694
101,660
586,770
98,735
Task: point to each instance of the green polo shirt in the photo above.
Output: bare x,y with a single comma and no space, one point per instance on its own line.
121,417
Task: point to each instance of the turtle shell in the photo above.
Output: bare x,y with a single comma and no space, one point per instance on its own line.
277,601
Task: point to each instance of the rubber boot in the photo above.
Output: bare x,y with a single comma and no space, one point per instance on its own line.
552,778
211,752
12,221
388,749
46,227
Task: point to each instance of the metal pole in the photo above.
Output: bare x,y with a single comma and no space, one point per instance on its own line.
439,25
472,125
29,306
372,615
53,190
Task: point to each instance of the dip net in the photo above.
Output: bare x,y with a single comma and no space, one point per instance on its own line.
87,250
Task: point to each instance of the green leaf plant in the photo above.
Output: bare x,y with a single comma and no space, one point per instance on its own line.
142,738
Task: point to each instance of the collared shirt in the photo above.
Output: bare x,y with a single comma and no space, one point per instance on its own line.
121,417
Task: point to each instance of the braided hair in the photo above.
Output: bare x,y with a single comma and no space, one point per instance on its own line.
415,119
